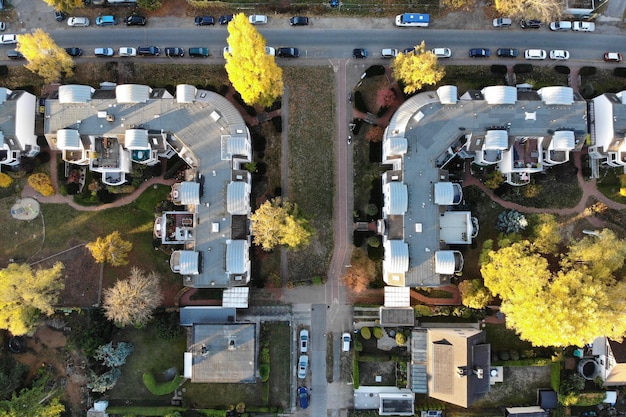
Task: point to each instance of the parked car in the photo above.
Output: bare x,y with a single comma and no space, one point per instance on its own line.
502,22
530,24
13,54
304,340
507,53
127,51
104,52
74,51
559,54
288,52
584,26
442,52
409,50
479,53
59,16
175,52
612,57
135,20
345,342
148,51
561,25
299,21
257,19
107,20
225,18
204,20
303,364
8,39
303,396
389,53
78,21
359,53
198,52
535,54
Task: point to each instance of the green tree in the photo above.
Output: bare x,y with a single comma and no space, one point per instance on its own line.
133,300
64,5
34,402
44,56
474,294
11,374
112,249
114,357
253,73
25,294
279,222
417,69
546,10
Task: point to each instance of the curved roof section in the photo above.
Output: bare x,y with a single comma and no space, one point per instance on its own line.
137,139
238,145
557,95
396,256
397,197
188,262
444,262
75,93
563,140
408,110
185,93
236,256
68,139
132,93
396,146
496,139
500,94
448,94
447,193
189,193
238,198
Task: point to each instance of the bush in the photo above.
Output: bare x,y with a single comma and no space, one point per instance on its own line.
555,376
377,332
522,68
161,388
168,327
358,345
355,372
422,310
514,355
620,72
400,339
264,356
5,180
562,69
366,333
584,71
264,372
41,183
499,69
504,355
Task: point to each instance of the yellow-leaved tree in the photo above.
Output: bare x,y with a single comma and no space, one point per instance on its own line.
546,10
64,5
279,222
417,69
111,248
25,294
253,72
44,56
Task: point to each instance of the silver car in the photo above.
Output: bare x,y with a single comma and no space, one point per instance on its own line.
303,364
78,21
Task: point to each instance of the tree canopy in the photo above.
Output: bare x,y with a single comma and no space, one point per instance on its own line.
25,294
474,294
545,10
112,249
44,56
34,402
361,272
64,5
133,300
417,69
253,73
279,222
573,304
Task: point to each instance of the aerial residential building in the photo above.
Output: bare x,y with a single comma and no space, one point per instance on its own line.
17,126
607,117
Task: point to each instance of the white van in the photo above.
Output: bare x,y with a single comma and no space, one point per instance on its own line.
535,54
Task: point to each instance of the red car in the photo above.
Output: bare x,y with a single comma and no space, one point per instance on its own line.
612,57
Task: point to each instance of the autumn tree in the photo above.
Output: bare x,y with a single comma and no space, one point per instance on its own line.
374,134
41,183
112,249
133,300
44,56
36,401
474,294
546,233
546,10
576,302
25,294
417,69
361,272
253,73
280,222
64,5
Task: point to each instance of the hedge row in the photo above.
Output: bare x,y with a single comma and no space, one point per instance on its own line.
161,388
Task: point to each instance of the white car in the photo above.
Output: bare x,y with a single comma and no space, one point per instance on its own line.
559,54
128,51
389,53
442,52
303,364
345,342
257,19
78,21
561,25
7,39
268,50
584,26
502,22
535,54
304,340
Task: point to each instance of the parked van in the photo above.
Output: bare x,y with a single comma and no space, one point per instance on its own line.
535,54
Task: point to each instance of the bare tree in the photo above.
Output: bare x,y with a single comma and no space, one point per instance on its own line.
546,10
133,300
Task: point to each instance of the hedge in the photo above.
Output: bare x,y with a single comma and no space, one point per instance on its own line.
587,399
161,388
524,362
555,376
355,372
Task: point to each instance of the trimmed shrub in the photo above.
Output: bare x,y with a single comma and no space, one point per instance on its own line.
264,372
504,355
584,71
514,355
422,310
377,332
355,372
264,356
366,333
358,345
522,68
161,388
41,183
620,72
555,376
499,69
5,180
400,339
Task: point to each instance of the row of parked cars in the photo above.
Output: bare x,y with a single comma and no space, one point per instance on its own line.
578,26
127,51
557,54
106,20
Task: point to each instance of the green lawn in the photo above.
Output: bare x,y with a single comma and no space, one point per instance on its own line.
502,338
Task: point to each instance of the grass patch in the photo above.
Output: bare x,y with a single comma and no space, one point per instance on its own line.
279,336
555,376
502,338
609,184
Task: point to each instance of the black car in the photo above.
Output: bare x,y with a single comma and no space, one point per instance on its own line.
225,18
135,20
148,51
74,51
13,54
530,24
174,52
359,53
507,53
299,21
59,16
479,53
288,52
204,21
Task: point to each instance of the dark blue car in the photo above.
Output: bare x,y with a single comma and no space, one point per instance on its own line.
303,396
479,53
